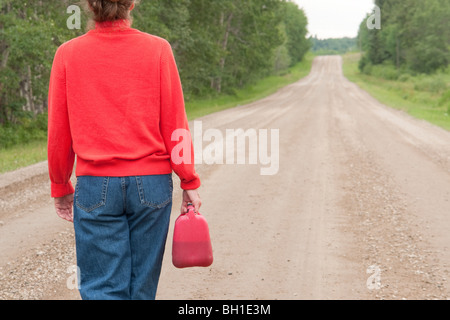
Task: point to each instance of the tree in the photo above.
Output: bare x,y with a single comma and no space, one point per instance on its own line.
414,35
30,34
234,42
430,36
296,29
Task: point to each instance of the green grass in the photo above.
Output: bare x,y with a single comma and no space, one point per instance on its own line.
425,97
21,155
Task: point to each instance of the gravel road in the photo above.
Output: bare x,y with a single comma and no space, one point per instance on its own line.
358,207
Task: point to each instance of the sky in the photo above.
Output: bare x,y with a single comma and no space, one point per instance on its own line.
335,18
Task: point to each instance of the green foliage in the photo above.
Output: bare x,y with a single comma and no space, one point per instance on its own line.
295,22
432,83
386,71
425,96
414,35
224,45
21,155
27,130
220,46
29,36
444,101
332,46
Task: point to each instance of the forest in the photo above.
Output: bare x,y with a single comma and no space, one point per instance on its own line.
219,45
414,36
332,46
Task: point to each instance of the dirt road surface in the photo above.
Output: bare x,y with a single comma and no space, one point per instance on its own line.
359,208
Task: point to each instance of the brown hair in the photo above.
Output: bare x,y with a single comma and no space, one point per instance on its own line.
109,10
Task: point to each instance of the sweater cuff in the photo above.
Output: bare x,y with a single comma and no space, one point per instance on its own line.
61,190
191,185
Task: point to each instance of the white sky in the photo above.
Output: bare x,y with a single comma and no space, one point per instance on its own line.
335,18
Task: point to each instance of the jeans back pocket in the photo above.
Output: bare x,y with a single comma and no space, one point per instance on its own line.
90,192
155,191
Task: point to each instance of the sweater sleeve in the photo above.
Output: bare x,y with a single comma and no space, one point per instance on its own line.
61,156
174,124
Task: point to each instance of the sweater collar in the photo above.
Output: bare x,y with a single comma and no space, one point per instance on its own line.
116,25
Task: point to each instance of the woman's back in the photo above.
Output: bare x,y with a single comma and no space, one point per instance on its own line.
123,102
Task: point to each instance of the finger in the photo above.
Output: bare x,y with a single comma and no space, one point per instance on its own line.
197,204
65,215
183,207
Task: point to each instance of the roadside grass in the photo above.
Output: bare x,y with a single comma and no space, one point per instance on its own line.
22,155
425,97
25,154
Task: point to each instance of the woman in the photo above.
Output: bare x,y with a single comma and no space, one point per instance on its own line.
115,98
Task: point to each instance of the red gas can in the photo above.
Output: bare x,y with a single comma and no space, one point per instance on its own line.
191,245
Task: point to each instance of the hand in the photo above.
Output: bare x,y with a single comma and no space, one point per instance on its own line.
190,196
64,207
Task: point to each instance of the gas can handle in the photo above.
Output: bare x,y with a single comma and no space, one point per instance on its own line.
190,209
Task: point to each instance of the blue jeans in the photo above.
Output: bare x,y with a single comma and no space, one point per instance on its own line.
121,227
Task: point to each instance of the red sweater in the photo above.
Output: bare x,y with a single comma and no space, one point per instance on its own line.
115,98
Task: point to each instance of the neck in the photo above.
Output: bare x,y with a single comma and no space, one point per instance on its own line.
120,24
